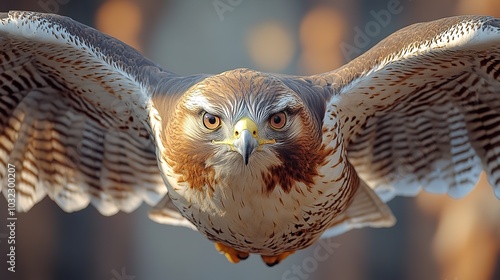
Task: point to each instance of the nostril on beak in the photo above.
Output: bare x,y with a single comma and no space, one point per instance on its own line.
236,134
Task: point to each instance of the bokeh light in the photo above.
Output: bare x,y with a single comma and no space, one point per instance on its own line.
121,19
321,33
466,241
479,7
270,46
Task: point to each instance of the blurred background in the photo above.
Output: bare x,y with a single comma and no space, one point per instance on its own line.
435,238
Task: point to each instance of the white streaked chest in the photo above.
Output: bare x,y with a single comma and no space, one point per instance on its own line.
239,213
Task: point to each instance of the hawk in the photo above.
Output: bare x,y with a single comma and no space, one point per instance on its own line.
259,163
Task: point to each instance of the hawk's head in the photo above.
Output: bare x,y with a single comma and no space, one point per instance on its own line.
243,122
243,153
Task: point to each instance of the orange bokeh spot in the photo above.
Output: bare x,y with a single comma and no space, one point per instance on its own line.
121,19
270,46
321,32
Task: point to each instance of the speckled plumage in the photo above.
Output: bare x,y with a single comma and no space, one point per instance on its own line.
86,119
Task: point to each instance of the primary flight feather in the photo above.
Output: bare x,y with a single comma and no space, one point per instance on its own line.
259,163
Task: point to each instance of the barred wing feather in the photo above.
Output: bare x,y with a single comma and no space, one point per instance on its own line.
74,116
422,108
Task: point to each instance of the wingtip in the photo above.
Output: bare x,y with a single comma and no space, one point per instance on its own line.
494,22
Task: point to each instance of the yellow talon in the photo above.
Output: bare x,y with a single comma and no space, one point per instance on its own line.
274,260
232,255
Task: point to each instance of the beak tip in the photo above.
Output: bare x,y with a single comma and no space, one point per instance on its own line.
246,157
246,145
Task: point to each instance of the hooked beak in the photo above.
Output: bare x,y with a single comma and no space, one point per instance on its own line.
245,139
245,144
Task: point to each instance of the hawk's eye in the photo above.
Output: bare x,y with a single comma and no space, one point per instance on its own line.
210,121
278,120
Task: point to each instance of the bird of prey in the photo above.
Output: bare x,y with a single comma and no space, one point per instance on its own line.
259,163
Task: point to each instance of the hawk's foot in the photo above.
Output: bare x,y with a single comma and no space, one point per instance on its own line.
274,260
232,255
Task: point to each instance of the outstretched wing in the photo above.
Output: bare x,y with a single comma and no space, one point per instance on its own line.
422,108
74,107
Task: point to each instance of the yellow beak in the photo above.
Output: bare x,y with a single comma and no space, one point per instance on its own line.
245,138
